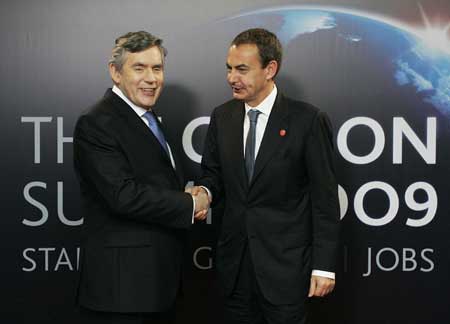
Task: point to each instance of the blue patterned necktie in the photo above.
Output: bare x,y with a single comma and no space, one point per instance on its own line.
250,143
156,130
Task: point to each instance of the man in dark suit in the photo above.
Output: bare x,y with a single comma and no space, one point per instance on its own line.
270,159
136,212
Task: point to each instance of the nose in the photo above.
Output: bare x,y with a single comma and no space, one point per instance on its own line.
150,76
231,76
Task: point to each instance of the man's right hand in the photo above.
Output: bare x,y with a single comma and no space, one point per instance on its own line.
201,202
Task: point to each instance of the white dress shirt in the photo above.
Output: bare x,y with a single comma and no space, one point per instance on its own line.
265,107
140,112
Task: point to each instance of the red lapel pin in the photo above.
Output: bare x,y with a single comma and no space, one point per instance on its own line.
282,132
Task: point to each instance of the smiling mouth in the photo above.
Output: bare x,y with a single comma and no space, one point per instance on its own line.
149,91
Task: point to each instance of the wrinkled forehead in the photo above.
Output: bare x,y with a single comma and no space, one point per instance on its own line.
136,54
247,54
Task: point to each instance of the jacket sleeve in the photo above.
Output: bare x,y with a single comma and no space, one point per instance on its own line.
211,171
324,197
102,167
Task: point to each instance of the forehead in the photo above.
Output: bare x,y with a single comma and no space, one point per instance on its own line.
149,56
243,54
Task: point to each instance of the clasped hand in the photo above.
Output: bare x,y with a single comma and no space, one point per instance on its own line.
202,201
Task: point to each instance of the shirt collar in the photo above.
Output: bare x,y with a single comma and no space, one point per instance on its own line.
265,107
138,110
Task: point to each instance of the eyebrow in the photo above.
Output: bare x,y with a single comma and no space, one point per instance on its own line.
145,65
138,64
240,66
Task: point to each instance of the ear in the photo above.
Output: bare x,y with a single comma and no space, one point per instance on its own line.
114,73
271,69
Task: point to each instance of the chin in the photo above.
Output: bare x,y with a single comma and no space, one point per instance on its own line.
147,103
238,96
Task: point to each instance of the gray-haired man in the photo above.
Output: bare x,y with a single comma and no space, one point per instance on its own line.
136,212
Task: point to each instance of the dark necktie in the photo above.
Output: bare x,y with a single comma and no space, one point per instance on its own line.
156,130
250,143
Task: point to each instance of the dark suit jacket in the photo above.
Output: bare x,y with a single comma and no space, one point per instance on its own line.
135,212
289,213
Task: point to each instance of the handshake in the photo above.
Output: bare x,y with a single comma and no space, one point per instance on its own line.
202,201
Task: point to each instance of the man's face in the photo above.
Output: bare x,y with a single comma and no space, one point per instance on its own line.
249,81
142,76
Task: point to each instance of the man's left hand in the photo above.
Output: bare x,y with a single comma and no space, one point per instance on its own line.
320,286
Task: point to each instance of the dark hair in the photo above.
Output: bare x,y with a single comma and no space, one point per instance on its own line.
134,42
269,47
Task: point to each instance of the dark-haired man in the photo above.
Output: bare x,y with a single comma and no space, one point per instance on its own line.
270,159
136,212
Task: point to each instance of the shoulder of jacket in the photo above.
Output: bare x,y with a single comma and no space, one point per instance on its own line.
301,106
227,107
100,112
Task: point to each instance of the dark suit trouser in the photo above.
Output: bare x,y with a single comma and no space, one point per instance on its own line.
94,317
247,304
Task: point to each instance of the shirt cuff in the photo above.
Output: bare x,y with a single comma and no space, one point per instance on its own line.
193,209
326,274
208,192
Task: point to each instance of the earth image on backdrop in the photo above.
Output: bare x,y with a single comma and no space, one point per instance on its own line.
336,57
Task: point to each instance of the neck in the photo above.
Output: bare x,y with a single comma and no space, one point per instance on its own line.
262,95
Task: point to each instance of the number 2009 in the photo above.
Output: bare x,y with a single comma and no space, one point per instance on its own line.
429,205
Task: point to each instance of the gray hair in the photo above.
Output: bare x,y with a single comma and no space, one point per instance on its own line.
134,42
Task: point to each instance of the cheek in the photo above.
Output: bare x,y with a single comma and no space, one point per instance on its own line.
243,81
248,83
130,84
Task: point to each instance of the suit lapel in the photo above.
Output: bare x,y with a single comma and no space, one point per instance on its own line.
272,139
234,140
162,127
178,169
135,122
